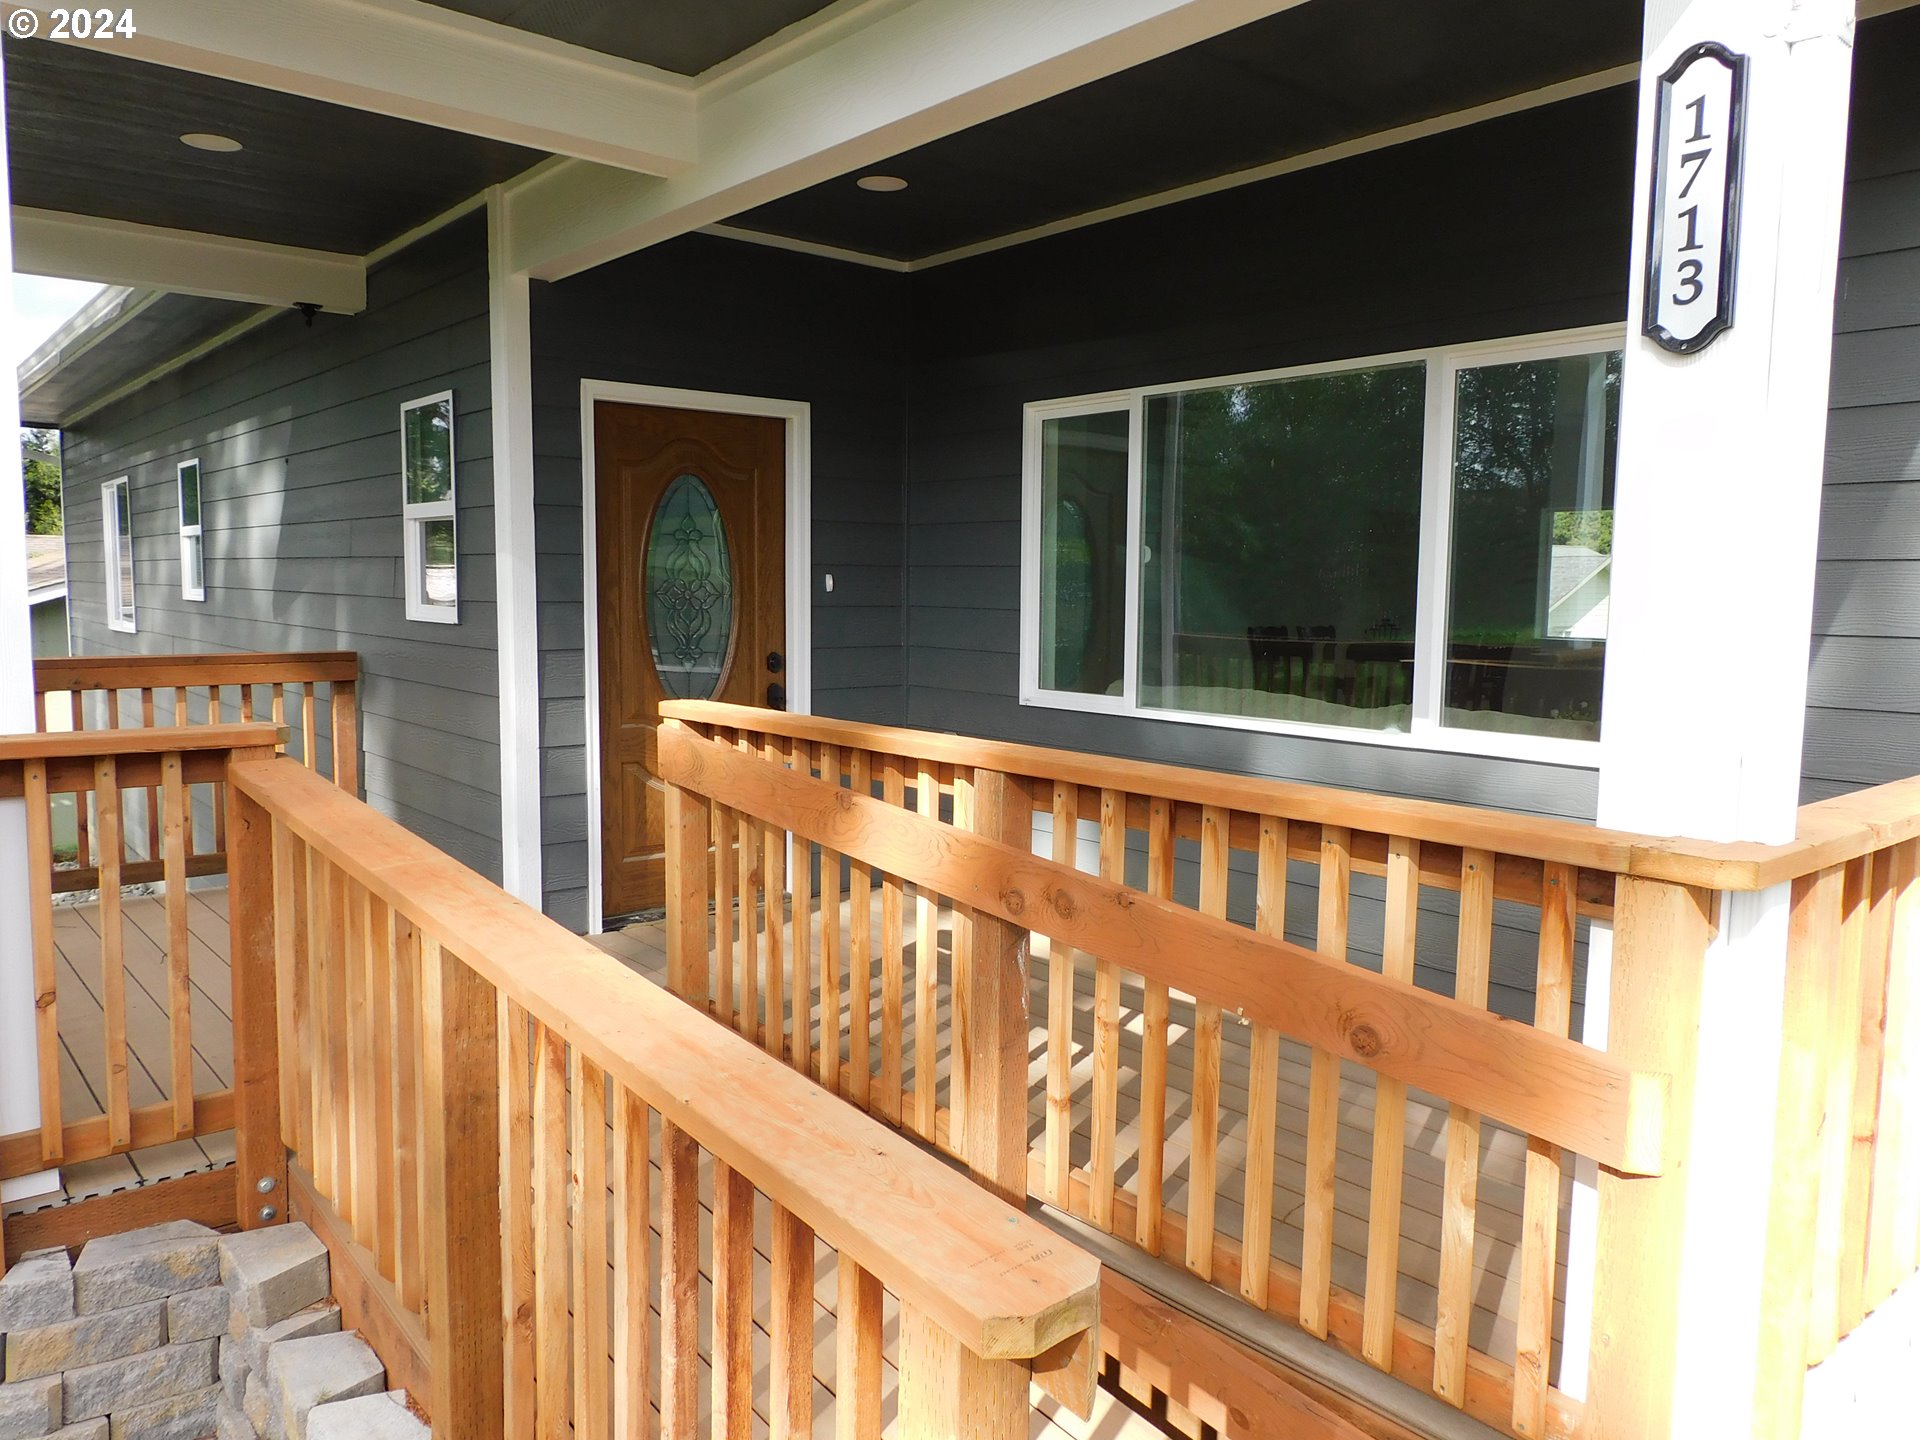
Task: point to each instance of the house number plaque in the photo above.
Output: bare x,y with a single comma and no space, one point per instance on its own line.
1695,216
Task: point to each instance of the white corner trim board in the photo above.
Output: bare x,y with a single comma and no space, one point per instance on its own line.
798,415
511,354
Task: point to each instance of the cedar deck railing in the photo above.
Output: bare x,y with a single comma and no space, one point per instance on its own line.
897,807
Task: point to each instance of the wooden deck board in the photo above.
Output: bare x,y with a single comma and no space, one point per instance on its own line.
1502,1151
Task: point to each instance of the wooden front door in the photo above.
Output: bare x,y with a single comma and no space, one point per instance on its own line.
690,521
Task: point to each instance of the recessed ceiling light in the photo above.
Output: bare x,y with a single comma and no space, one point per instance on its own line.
884,184
200,140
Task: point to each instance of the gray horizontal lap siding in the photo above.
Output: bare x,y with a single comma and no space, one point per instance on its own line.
1863,680
297,432
704,313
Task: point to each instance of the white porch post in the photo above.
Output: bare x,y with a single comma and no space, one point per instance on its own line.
1718,496
19,1075
509,319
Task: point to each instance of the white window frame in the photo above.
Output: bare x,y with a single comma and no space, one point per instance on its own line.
194,532
125,620
412,514
1427,732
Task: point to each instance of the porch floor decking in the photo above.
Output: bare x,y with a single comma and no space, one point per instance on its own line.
1496,1278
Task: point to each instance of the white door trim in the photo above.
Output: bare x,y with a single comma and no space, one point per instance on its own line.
798,415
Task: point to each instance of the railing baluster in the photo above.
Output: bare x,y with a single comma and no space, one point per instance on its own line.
345,716
593,1390
362,1099
1460,1202
960,986
1380,1312
790,1398
409,1116
291,980
1868,1053
801,884
686,890
679,1283
724,873
517,1304
632,1248
893,979
732,1362
1323,1095
857,1367
113,964
1263,1076
1202,1190
1540,1224
750,913
551,1250
45,959
1154,1005
179,977
1060,985
309,729
152,793
1893,1241
773,864
1106,1024
380,1098
860,952
82,800
926,969
1826,1321
830,998
323,956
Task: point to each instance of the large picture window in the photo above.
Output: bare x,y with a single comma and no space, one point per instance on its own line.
116,518
1413,547
430,551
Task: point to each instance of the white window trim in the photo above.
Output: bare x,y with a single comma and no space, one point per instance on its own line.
196,531
411,514
125,621
1436,514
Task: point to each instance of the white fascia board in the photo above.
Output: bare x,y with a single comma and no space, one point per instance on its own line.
118,252
422,62
910,77
98,320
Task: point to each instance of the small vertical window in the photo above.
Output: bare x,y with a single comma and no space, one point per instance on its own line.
1083,552
193,554
427,509
116,514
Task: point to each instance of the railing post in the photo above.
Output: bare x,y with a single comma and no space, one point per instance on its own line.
260,1156
344,699
946,1390
1660,939
461,1071
687,891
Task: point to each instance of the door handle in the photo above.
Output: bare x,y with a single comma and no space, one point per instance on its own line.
776,696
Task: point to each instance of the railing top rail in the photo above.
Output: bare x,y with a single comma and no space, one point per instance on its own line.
157,740
102,672
1001,1283
1830,831
1539,1083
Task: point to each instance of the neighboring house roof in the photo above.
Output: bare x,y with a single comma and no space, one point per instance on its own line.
1573,566
46,568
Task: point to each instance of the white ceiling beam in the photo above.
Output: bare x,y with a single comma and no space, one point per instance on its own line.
421,62
911,76
148,257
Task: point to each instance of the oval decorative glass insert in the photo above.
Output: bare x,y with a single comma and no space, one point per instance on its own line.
689,591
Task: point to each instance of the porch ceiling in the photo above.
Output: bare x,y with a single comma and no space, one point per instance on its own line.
1301,80
685,36
93,133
